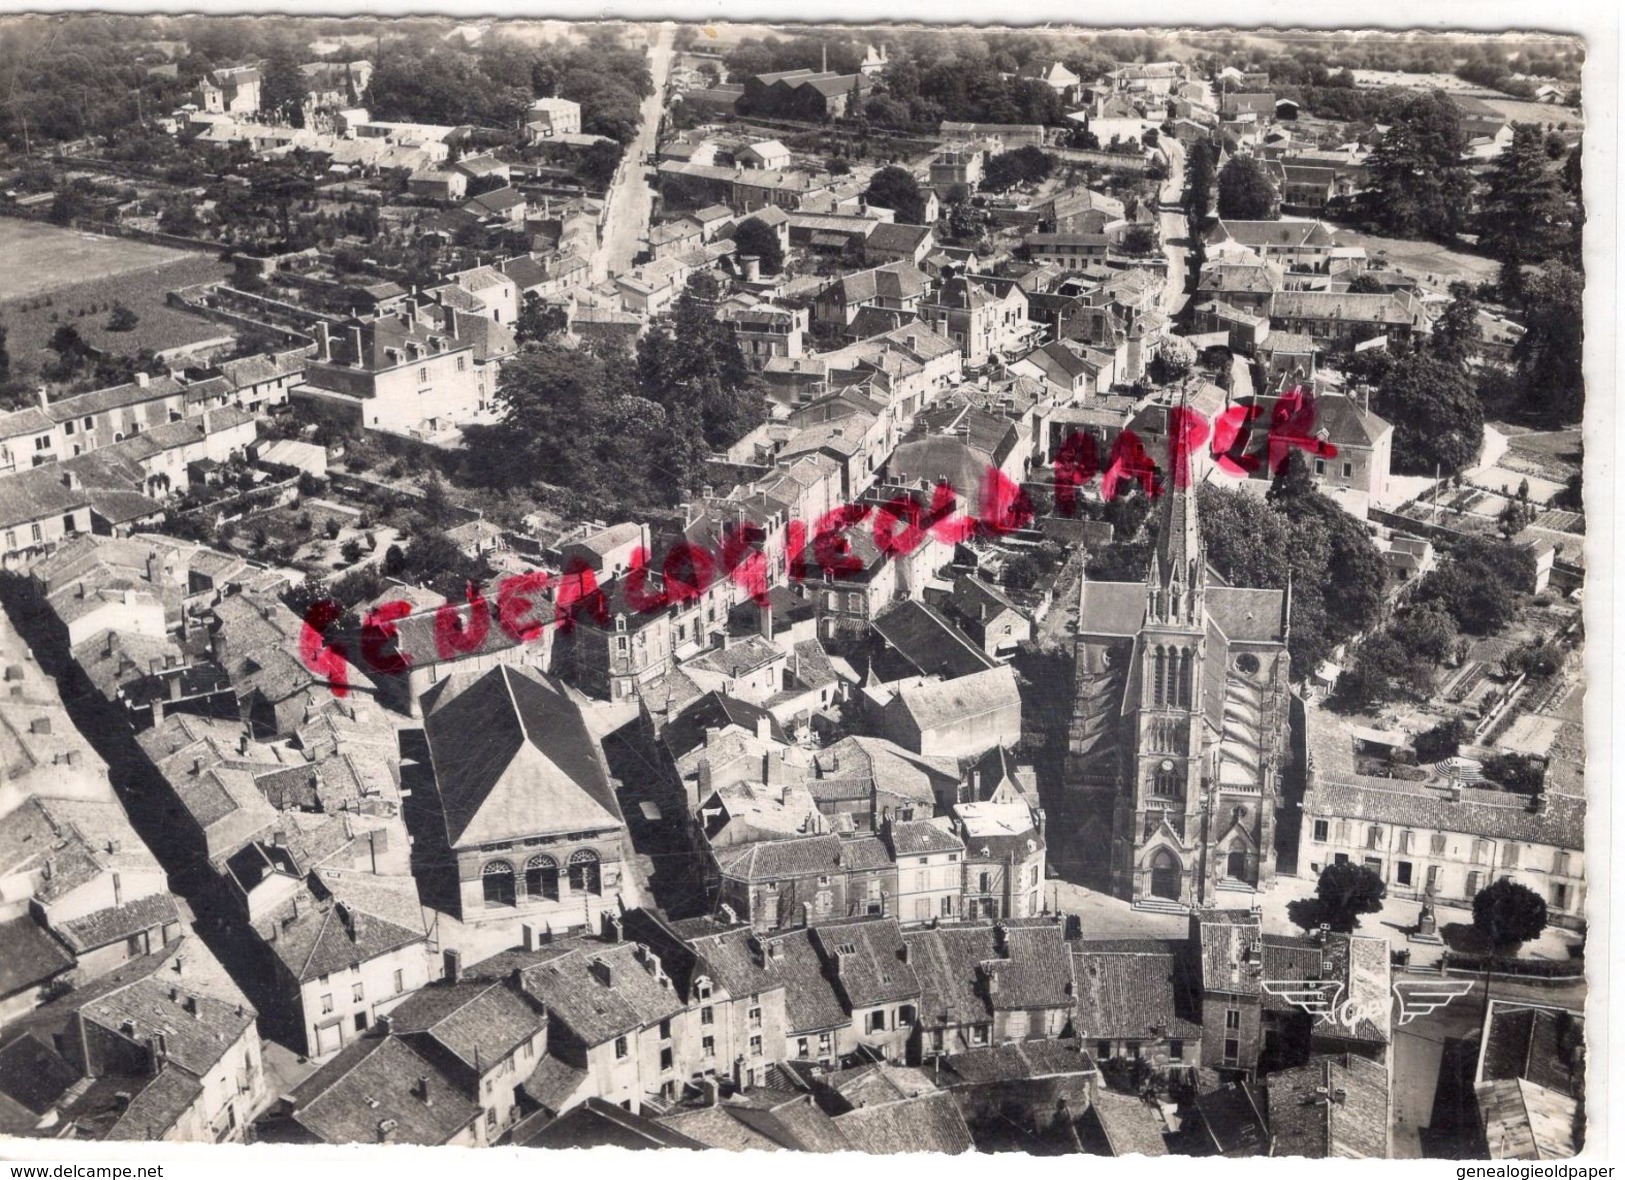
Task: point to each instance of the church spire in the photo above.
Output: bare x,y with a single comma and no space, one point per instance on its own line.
1177,572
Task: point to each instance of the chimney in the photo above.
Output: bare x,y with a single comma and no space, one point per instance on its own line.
192,1008
602,972
1455,792
355,345
40,725
728,914
44,399
454,965
142,381
764,619
775,951
527,937
324,342
386,1130
420,1090
175,688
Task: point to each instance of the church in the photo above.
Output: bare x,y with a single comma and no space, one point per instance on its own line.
1179,730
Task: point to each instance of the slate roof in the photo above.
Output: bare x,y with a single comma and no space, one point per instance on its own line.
929,1123
1129,988
371,1082
513,757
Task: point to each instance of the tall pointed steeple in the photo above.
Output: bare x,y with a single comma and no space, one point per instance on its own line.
1177,573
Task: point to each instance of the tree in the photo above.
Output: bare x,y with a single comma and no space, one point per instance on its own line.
694,365
1477,583
1371,677
1547,360
1455,332
1417,183
1139,239
896,189
1516,772
1245,192
71,203
1442,741
282,91
1025,165
1292,480
755,237
122,319
1507,915
1365,283
1172,359
1345,891
1522,215
69,346
1426,630
1200,175
1324,551
538,320
1437,417
595,166
965,221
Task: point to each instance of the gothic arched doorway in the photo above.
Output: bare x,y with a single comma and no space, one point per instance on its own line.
1165,875
1236,864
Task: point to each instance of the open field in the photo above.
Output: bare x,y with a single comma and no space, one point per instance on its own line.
29,321
1431,263
40,258
1522,111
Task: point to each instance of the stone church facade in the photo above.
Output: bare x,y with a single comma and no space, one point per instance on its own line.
1180,732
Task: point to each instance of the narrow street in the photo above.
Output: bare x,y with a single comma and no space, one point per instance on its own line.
630,200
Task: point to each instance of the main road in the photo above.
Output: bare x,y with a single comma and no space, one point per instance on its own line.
630,200
1173,228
